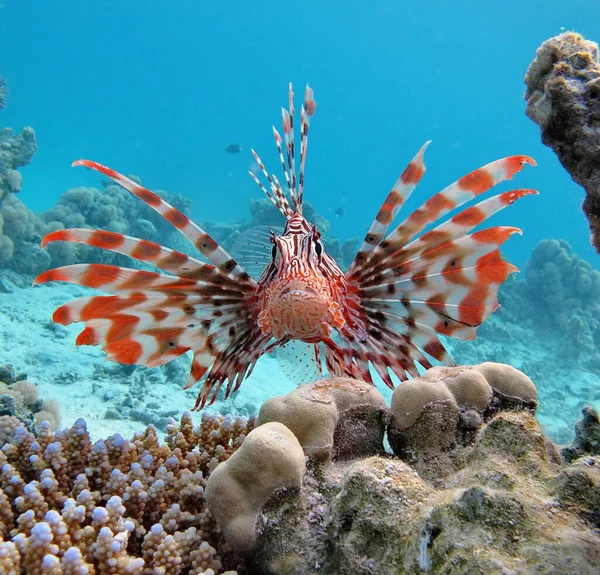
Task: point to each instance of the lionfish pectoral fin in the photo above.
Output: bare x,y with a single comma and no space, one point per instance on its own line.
153,317
413,287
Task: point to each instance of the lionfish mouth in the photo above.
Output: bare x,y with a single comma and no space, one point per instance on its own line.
298,291
298,311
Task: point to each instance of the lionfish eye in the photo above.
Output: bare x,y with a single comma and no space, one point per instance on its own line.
318,248
274,251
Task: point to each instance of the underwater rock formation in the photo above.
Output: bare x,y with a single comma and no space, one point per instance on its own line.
111,208
497,514
437,414
16,151
563,98
587,436
270,458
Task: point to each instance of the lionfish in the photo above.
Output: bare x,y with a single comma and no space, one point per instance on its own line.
403,289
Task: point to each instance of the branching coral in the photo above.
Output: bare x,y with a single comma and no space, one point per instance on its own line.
114,507
563,98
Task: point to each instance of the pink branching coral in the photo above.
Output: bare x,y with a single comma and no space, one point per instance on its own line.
69,506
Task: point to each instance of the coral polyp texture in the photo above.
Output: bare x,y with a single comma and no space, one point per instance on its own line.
563,98
114,507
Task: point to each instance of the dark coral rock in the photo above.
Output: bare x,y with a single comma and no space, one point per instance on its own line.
563,98
587,436
7,374
578,488
499,514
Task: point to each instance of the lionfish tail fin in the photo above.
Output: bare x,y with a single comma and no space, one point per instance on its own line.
411,287
294,184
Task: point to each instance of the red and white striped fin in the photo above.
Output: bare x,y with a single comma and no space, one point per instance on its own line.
159,306
418,253
195,234
286,172
288,134
156,318
444,282
114,279
450,198
233,365
168,260
398,196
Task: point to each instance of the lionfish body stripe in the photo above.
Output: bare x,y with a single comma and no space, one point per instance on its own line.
428,276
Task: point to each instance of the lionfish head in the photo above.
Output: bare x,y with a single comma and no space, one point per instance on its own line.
300,299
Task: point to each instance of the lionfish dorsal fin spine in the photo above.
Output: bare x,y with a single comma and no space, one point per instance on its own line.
308,109
295,185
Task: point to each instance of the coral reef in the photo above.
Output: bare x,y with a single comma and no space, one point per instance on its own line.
587,436
257,498
114,507
112,208
437,414
20,405
560,297
563,98
505,503
16,151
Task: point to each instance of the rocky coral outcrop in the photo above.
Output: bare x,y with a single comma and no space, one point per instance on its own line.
270,459
16,151
587,436
563,98
340,417
441,412
505,510
476,487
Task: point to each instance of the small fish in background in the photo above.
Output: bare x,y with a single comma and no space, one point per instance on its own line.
339,212
233,149
429,276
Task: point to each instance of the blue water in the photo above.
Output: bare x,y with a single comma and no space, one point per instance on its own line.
160,89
